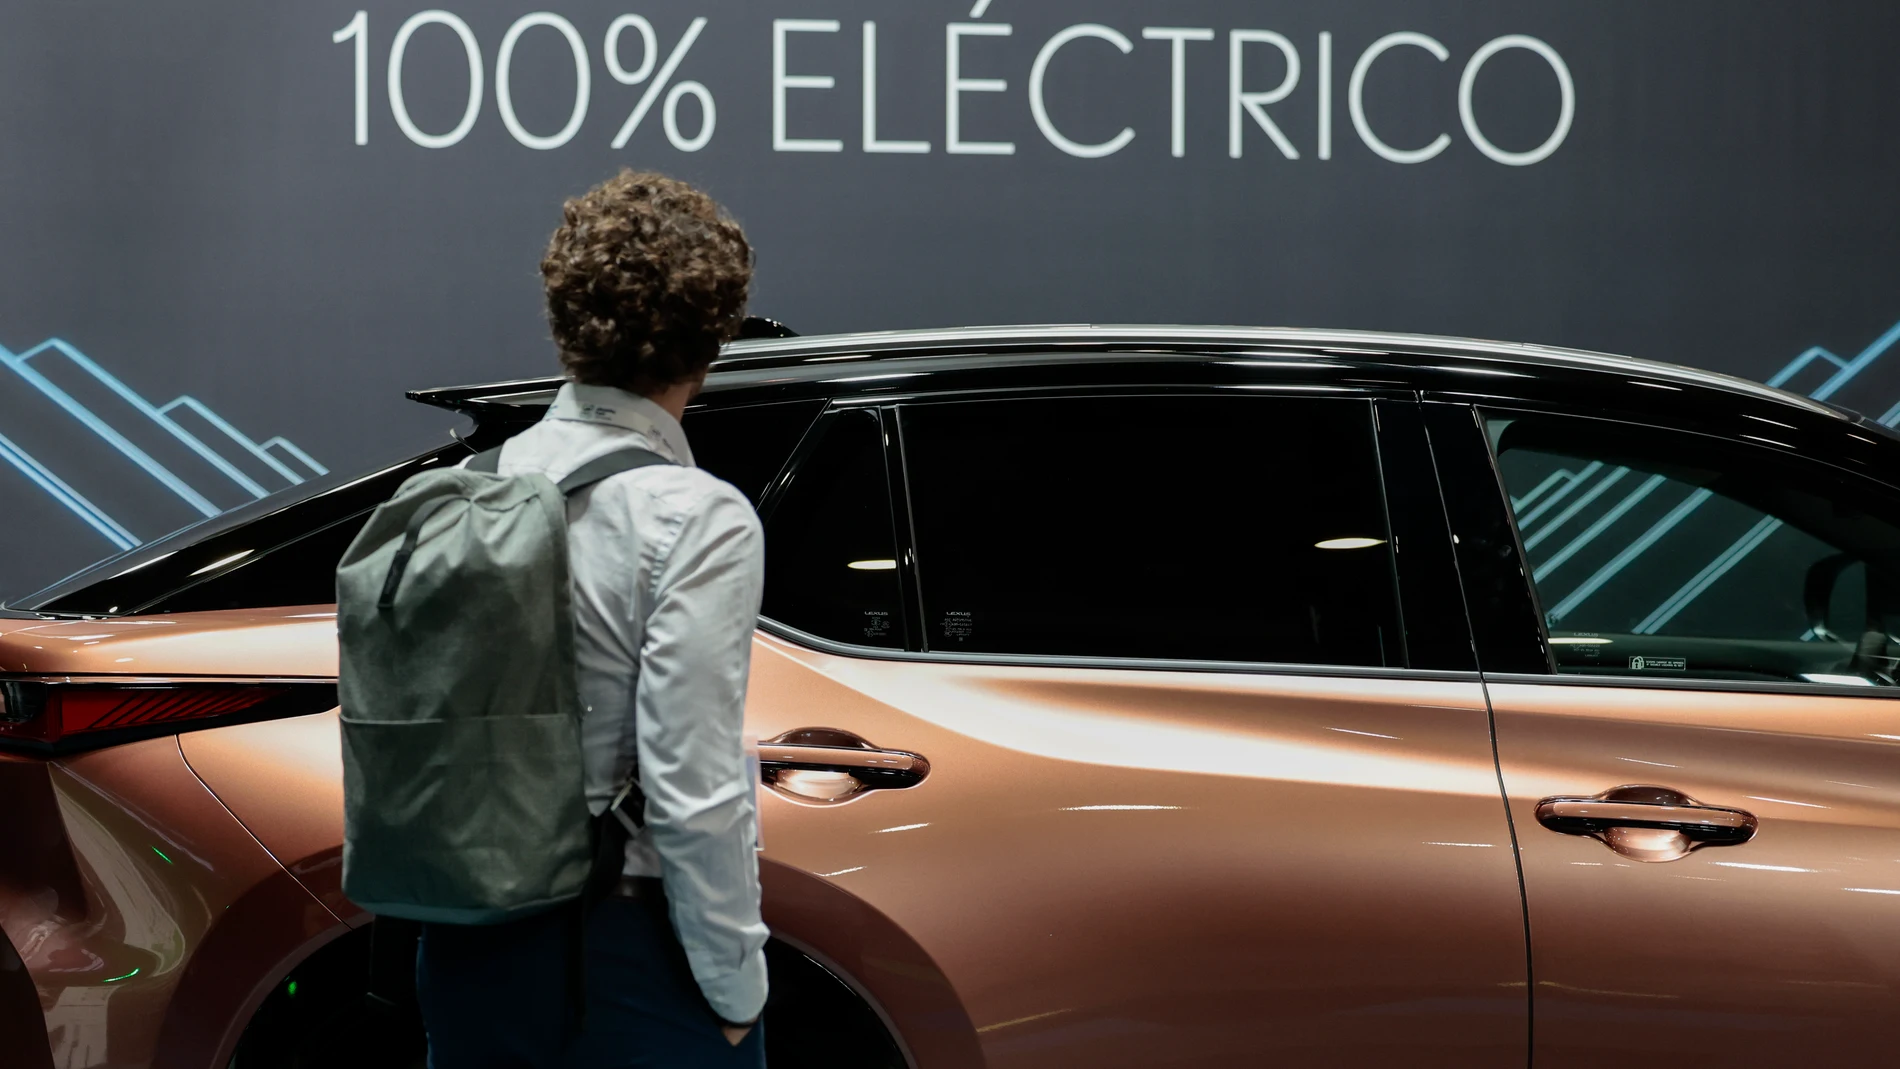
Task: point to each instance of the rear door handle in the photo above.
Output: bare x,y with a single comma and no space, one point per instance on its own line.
827,765
1647,823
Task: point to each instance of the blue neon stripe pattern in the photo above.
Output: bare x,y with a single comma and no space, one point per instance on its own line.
96,517
1844,372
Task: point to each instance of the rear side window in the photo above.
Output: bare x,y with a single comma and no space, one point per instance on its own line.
1202,528
747,446
1667,555
830,549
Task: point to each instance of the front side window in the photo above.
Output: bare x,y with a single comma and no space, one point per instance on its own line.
1200,528
1660,554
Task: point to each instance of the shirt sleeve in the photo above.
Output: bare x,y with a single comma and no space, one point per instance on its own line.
691,709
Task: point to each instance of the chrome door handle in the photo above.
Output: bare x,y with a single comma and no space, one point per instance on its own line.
826,765
1647,823
887,768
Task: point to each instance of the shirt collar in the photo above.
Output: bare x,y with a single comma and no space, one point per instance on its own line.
612,406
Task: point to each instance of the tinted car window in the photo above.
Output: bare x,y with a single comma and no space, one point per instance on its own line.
830,552
1207,528
289,544
1667,555
748,446
271,529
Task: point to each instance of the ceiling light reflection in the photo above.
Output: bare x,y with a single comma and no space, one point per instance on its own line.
1839,680
872,565
222,561
1349,543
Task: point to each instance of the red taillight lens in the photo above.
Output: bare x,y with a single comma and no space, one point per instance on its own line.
57,714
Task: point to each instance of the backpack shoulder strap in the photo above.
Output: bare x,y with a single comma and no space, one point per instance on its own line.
610,465
488,462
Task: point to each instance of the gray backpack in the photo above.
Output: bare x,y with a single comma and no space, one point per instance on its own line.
463,795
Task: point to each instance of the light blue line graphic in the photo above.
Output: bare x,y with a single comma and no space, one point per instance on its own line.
66,495
1706,578
290,447
1858,364
104,430
1576,479
1590,533
243,442
1538,491
282,457
1800,364
1577,506
1844,373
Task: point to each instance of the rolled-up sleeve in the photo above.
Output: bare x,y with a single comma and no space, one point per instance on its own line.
691,701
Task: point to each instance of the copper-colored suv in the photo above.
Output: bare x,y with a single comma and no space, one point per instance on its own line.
1133,697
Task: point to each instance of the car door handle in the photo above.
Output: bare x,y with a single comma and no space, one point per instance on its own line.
887,768
1646,822
827,765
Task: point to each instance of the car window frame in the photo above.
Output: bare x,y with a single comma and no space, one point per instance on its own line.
1384,401
1497,505
774,494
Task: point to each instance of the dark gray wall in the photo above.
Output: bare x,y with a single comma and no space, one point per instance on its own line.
182,202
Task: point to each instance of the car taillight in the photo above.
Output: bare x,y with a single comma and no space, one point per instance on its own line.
65,715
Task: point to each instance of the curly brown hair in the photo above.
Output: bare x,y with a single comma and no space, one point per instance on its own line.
646,278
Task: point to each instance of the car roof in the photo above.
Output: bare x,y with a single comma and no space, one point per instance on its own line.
811,357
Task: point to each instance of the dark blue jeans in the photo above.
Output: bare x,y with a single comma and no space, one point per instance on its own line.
496,996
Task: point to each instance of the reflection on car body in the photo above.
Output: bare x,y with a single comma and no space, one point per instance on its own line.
1129,696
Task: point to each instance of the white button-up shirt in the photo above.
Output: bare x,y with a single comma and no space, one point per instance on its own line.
668,566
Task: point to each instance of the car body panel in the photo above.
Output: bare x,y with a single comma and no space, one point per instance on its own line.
1784,950
1122,867
283,779
1108,864
293,642
137,874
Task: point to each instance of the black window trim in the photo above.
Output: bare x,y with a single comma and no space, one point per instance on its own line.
1503,406
890,408
1145,664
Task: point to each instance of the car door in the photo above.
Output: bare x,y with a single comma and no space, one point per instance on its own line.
1707,786
1198,792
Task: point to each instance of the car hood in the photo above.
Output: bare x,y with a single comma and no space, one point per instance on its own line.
296,641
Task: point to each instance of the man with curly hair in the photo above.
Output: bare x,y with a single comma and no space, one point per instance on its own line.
646,278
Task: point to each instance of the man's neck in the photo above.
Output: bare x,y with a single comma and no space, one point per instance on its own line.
675,397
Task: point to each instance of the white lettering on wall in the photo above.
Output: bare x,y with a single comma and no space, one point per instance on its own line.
656,74
657,82
1567,110
955,85
871,142
504,91
1325,95
1039,108
781,82
1356,97
1255,104
1177,38
400,108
